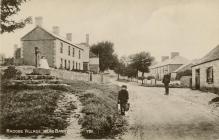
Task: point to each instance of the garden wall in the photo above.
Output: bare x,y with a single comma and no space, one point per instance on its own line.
71,75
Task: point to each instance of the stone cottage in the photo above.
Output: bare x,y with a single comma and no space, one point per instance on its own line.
205,72
60,52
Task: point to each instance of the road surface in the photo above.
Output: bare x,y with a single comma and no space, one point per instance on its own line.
184,115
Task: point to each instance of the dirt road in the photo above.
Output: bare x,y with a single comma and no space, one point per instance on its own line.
184,115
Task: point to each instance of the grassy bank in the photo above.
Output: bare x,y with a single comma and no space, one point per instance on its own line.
101,119
30,109
34,108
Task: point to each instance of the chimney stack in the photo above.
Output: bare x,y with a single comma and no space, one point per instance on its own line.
87,39
69,36
39,21
55,30
174,54
163,58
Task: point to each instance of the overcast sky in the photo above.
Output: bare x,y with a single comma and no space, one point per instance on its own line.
159,26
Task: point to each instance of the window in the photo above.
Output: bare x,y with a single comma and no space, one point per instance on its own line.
79,66
61,48
79,54
73,65
65,64
69,50
76,65
73,52
69,64
61,64
210,75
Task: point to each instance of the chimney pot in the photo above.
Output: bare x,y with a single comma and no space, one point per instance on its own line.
39,21
69,36
174,54
55,30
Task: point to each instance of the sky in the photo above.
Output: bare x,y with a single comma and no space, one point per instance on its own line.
190,27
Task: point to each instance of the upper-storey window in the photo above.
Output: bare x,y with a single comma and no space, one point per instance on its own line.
61,48
69,50
73,52
79,54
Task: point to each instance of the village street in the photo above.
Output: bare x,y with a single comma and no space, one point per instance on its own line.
184,115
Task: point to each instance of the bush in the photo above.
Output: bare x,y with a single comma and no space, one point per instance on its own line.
150,77
11,73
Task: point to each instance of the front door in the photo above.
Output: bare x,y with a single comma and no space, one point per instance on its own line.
197,78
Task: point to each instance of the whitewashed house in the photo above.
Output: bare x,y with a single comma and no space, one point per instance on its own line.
205,72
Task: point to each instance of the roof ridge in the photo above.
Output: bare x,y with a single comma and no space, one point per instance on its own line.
54,35
210,56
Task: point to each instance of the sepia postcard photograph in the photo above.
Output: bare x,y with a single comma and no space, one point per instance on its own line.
109,69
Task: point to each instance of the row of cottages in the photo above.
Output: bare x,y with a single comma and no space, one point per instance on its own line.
205,72
60,52
168,65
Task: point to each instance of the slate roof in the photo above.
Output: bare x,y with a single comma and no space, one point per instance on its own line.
186,66
211,56
53,35
175,60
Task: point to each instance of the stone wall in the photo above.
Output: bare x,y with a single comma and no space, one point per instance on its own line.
71,75
46,48
64,74
186,81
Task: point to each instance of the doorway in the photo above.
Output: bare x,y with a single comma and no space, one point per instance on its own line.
197,78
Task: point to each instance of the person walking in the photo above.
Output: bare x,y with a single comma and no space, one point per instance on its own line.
123,97
166,81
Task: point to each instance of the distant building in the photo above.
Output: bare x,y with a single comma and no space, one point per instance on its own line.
205,72
167,65
2,59
60,52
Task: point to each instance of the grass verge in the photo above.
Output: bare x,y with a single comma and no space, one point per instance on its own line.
30,109
101,119
33,108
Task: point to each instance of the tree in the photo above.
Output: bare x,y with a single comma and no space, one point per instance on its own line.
9,8
120,68
141,62
130,71
105,51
